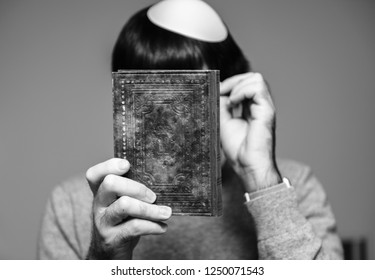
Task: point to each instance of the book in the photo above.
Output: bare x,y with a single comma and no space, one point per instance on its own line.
166,124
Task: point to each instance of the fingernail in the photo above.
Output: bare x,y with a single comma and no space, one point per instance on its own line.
151,196
164,227
123,164
165,211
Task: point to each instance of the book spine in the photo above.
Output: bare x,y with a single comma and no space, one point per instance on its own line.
215,158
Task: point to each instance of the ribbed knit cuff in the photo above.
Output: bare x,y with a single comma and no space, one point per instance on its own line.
274,211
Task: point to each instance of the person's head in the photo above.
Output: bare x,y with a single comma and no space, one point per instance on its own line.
144,45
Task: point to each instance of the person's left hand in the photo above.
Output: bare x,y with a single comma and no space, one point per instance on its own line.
248,140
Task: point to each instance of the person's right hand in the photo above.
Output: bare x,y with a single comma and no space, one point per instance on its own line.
122,211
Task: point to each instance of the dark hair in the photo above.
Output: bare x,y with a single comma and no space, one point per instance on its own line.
143,45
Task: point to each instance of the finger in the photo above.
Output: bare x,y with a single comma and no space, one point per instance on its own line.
237,111
96,173
114,186
254,96
139,227
127,206
240,96
257,94
248,89
227,85
224,109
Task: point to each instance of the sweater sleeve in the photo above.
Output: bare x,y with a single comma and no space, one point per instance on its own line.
57,237
296,222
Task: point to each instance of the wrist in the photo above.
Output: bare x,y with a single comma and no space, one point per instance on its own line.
97,253
255,179
103,250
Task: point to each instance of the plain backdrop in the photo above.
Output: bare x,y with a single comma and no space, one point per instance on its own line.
56,111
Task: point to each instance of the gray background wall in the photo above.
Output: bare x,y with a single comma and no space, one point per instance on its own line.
55,97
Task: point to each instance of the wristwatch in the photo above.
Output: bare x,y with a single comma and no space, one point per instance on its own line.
285,181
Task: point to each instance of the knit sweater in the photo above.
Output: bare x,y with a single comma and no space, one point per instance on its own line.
278,223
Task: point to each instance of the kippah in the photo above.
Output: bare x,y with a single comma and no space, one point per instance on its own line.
191,18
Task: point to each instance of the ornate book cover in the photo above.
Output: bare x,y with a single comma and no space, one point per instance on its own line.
166,124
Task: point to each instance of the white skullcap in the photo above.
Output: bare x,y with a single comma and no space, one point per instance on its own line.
191,18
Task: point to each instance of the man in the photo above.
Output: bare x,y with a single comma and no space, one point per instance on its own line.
104,216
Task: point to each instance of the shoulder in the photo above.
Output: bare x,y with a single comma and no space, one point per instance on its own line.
308,188
67,222
75,187
294,170
72,196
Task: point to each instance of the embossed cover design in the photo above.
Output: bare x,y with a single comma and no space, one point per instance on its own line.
166,124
